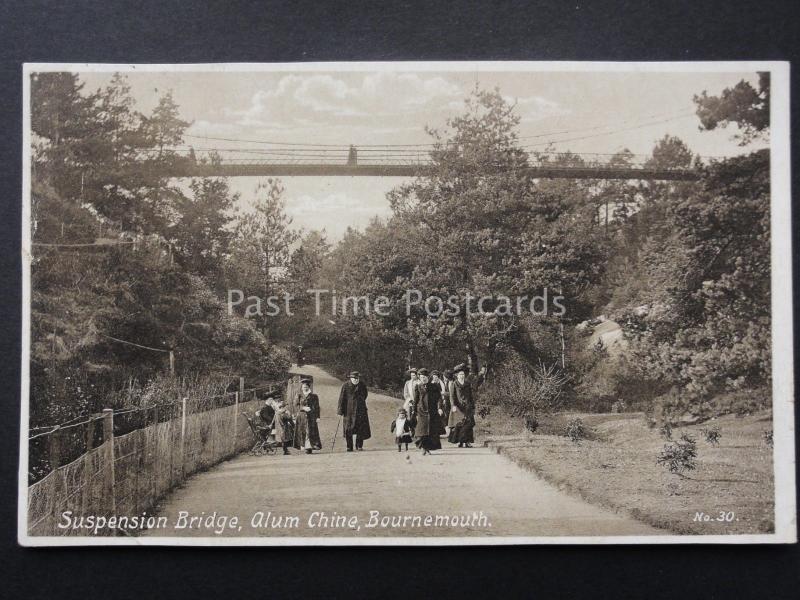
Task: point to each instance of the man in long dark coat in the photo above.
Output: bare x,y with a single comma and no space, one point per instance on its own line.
353,410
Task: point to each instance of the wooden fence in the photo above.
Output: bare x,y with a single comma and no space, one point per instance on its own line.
127,474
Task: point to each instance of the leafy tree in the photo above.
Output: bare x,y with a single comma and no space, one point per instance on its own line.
164,128
58,109
670,152
479,224
202,229
742,104
261,249
708,327
307,260
105,295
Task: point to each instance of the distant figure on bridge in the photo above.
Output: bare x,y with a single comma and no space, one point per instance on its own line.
353,409
352,156
300,356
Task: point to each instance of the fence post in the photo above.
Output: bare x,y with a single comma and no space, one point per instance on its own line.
242,399
169,444
87,479
235,423
54,448
183,438
156,461
108,442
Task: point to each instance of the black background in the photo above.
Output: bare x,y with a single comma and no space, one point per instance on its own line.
228,31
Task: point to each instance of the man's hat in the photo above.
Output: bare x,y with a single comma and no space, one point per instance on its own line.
423,371
412,370
306,380
436,373
272,394
449,373
354,374
460,367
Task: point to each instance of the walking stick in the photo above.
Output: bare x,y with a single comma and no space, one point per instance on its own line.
335,433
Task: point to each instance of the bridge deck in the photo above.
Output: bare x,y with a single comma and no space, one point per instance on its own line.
378,170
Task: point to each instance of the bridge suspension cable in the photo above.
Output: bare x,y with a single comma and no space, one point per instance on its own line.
660,118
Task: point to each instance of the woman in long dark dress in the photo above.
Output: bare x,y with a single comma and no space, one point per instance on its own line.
447,404
463,399
426,412
306,435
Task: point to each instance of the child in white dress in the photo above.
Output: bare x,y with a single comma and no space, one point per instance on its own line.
401,427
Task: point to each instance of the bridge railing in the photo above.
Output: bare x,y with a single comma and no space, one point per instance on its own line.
380,157
124,474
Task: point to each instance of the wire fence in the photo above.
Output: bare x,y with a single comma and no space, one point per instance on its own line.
121,462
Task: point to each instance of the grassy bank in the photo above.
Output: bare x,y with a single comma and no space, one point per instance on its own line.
616,468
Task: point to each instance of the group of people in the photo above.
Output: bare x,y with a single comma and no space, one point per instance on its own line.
436,404
296,425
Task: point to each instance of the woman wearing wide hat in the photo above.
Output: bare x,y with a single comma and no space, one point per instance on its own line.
427,396
306,434
463,400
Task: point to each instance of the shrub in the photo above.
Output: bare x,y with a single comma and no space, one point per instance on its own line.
679,456
484,411
712,435
531,392
576,430
767,435
531,423
666,431
619,406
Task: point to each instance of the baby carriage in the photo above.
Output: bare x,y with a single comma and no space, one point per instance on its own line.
262,434
268,438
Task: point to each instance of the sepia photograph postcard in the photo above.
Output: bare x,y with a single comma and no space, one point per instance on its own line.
406,303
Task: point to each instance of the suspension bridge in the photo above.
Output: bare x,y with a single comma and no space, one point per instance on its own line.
395,161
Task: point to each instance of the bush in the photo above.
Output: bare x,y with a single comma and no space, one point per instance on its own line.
619,406
531,423
666,431
712,435
576,430
679,456
768,438
529,392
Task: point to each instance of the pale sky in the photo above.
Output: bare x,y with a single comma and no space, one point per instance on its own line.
581,112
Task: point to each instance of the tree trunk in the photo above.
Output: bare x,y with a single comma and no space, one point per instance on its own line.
472,357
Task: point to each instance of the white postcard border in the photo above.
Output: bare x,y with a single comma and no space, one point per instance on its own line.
781,285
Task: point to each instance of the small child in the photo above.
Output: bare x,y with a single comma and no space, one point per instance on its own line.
401,427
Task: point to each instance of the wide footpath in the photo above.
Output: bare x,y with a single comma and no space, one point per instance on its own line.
338,494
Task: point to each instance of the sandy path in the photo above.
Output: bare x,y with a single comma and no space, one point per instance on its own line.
488,494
